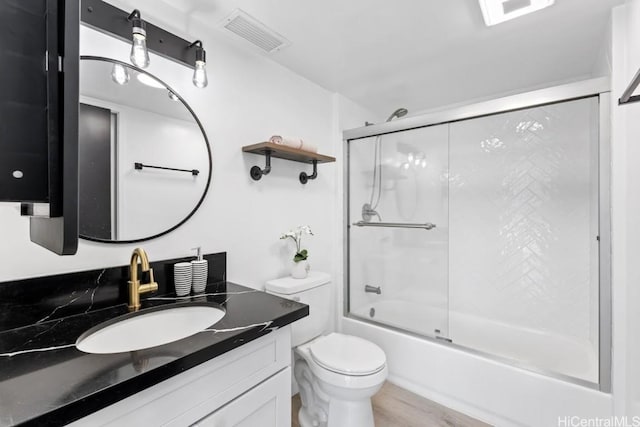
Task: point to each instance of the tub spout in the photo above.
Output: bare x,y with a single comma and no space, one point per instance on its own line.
372,289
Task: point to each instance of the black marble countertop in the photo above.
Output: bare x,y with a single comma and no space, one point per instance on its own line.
45,380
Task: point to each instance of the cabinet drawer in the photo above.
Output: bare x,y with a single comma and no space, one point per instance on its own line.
266,405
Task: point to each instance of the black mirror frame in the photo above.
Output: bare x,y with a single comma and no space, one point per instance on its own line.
206,140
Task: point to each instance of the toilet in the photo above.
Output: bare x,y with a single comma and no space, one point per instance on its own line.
336,373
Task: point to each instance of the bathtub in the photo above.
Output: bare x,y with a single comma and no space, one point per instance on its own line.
498,373
540,351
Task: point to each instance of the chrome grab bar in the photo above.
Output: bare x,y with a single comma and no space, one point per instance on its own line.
426,226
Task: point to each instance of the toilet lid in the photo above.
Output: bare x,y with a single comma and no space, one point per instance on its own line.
349,355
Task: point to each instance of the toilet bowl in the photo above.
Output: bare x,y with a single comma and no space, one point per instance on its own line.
335,373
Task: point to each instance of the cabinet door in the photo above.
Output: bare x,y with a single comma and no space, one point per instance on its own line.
39,109
266,405
24,44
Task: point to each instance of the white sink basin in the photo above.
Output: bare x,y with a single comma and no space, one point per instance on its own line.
150,329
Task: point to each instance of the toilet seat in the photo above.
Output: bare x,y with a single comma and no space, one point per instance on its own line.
340,379
347,355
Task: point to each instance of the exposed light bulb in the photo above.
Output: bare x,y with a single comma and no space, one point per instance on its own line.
139,52
410,157
405,166
119,74
200,72
200,75
423,163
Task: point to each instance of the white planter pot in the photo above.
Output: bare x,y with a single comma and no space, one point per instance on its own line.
300,269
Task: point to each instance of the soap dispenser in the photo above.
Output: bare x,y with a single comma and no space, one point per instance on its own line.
199,272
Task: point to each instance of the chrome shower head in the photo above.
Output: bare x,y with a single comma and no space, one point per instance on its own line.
400,112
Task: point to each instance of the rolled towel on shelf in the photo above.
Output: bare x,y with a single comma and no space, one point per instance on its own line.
309,147
294,143
289,142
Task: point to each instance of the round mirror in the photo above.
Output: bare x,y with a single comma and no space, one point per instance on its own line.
144,159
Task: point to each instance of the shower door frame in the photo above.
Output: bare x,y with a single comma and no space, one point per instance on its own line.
599,87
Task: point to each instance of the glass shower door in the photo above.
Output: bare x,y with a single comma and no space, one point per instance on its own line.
398,230
524,236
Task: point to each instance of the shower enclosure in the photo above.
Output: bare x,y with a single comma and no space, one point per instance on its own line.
487,228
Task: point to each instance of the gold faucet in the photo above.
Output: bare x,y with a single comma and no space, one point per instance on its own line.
135,288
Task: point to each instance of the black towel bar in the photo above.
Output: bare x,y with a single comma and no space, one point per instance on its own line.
140,166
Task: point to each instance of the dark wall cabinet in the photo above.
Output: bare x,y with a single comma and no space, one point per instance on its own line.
39,62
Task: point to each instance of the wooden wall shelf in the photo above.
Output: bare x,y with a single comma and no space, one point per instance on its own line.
269,149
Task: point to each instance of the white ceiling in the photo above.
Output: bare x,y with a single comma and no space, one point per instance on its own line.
423,54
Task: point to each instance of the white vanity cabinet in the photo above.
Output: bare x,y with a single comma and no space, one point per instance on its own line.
249,386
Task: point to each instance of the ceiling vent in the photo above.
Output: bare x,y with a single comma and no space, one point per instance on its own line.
249,28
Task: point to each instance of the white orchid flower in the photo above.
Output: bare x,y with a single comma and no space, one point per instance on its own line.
296,236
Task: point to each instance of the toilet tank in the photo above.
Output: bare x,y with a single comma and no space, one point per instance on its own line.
313,291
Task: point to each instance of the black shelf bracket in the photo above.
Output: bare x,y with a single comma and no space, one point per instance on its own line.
256,173
140,166
304,178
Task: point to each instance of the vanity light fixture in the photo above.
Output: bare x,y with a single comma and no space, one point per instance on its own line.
119,74
200,72
497,11
139,52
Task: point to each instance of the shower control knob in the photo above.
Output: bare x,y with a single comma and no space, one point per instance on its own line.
372,289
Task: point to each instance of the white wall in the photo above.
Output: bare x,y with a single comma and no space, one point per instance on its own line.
151,199
603,63
625,200
248,99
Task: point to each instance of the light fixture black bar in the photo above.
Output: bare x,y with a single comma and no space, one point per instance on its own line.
109,19
140,166
627,97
